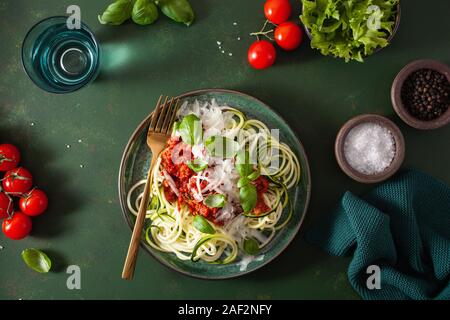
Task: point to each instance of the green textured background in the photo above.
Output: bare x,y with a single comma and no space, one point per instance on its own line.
315,94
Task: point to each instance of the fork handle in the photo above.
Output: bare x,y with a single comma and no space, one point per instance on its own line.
130,261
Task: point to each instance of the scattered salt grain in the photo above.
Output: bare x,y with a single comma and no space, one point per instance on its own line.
32,124
68,146
369,148
223,51
239,38
219,43
81,166
80,141
234,23
1,247
230,54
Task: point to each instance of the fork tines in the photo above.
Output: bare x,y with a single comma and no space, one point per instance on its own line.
164,115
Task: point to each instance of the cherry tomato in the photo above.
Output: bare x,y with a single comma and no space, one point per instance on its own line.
288,35
261,54
17,181
9,157
277,11
34,203
17,227
6,205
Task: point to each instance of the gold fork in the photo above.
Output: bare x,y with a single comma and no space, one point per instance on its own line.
158,133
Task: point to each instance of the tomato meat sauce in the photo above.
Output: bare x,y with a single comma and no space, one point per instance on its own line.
181,174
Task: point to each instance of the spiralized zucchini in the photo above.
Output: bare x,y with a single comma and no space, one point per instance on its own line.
170,226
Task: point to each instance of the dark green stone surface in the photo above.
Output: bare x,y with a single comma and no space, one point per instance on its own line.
315,94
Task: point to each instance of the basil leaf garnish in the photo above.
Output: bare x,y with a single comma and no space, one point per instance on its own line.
177,10
190,129
243,165
248,197
117,12
215,200
219,146
243,182
251,246
37,260
254,175
144,12
197,166
202,225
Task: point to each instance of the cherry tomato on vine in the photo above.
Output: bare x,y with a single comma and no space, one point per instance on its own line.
261,54
9,157
17,181
288,35
6,205
277,11
17,227
33,203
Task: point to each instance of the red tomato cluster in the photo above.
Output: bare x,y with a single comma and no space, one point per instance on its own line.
288,35
17,182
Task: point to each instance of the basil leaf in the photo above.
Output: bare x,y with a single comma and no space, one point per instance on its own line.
117,12
197,166
219,146
243,166
177,10
37,260
254,175
251,246
202,225
190,129
215,200
144,12
248,197
243,182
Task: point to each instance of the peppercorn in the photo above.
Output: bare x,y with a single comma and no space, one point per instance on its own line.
426,94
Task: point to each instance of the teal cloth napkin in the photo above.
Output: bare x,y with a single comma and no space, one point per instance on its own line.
402,226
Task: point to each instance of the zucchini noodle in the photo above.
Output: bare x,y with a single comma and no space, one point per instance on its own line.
170,226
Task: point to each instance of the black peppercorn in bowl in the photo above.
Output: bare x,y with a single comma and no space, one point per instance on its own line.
420,94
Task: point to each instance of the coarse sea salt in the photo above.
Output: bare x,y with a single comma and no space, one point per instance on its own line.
369,148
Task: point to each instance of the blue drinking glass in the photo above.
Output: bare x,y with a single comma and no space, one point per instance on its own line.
59,59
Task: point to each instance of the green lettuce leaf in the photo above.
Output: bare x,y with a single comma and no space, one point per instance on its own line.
345,28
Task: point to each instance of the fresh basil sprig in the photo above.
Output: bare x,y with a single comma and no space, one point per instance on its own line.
177,10
202,225
248,196
190,129
251,246
144,12
219,146
215,200
37,260
117,12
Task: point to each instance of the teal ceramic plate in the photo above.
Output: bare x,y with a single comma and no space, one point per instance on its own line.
136,160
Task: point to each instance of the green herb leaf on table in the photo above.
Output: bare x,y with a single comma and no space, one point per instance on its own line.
190,129
219,146
117,12
201,224
177,10
215,201
345,28
37,260
251,246
197,166
248,197
144,12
